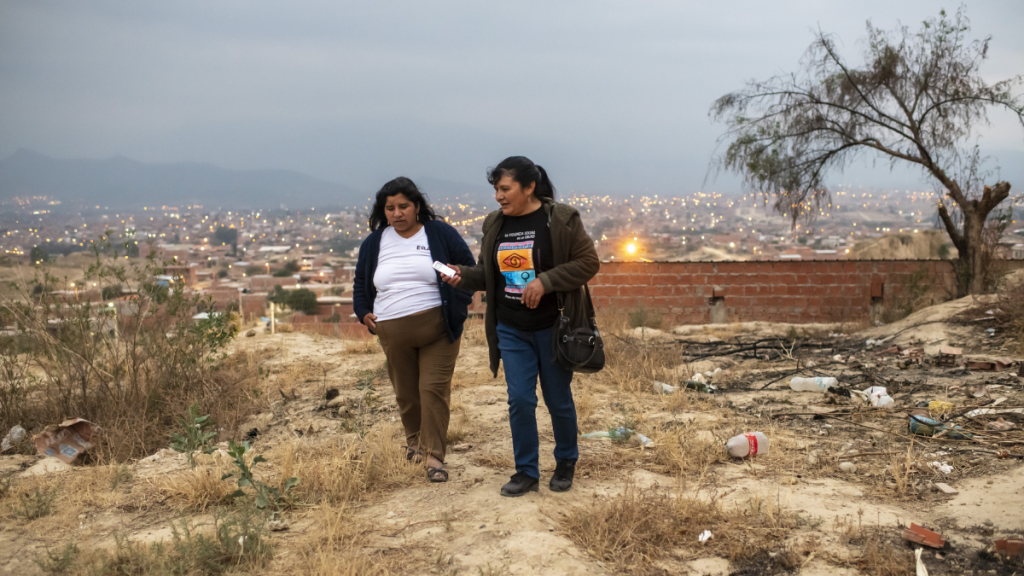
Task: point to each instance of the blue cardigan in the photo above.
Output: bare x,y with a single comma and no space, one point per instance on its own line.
446,247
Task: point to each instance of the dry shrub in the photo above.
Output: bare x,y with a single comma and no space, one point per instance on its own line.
638,526
633,364
362,345
583,396
458,429
333,548
338,470
132,367
1009,312
883,558
689,450
197,489
473,333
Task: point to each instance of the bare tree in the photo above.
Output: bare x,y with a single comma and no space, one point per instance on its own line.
918,98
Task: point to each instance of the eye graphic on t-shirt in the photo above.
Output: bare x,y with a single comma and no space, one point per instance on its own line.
515,261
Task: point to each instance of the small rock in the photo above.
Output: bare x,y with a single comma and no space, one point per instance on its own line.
250,333
812,459
331,394
461,447
946,488
848,467
45,466
278,524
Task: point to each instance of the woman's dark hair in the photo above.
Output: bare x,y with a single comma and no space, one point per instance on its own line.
407,188
523,170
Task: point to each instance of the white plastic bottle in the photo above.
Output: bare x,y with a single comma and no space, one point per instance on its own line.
819,384
745,445
879,397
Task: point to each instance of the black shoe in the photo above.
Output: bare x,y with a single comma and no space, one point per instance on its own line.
561,481
520,484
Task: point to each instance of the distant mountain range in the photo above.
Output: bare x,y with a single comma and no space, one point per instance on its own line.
123,182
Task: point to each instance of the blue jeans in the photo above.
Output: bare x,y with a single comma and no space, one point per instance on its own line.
525,356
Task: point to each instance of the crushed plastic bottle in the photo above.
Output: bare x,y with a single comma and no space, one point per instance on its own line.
878,397
924,426
662,388
819,384
750,444
620,434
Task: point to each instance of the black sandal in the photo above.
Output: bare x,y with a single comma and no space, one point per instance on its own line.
437,474
413,455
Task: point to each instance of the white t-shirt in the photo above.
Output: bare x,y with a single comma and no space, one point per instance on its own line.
405,278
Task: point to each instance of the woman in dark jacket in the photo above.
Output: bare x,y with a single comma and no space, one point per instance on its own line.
533,251
418,319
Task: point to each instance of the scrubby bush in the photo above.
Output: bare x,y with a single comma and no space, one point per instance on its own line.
132,368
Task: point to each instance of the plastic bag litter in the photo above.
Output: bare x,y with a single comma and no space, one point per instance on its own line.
13,438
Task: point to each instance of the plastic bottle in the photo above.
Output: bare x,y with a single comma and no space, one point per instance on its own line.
662,388
812,384
879,397
745,445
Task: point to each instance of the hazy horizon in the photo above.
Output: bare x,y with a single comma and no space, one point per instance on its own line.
611,98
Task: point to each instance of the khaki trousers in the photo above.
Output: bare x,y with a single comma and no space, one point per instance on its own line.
421,361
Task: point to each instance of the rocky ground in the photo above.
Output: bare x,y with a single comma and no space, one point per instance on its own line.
832,495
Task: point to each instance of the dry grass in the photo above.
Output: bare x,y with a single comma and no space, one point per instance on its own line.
632,365
362,345
196,490
637,527
473,333
333,547
335,470
690,450
496,460
458,429
1010,315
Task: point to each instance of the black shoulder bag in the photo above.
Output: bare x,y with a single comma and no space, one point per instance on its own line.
579,348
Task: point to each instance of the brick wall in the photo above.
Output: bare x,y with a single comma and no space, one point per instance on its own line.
810,291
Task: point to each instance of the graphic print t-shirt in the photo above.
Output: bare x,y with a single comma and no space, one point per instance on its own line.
522,251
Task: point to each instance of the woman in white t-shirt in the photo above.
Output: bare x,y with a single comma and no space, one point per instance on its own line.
399,297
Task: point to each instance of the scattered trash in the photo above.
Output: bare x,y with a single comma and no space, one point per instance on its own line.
13,438
1011,546
946,488
1000,425
937,408
66,440
919,567
988,411
698,377
942,467
848,467
923,536
989,366
662,388
462,447
811,364
704,536
699,386
620,434
745,445
887,351
979,391
948,355
924,426
331,394
838,358
878,397
819,384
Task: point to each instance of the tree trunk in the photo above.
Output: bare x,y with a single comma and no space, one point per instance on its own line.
970,242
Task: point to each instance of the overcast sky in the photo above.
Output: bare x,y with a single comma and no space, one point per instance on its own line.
609,96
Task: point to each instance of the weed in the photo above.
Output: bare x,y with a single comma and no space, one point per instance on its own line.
458,429
644,317
5,484
121,475
197,435
58,562
35,505
266,495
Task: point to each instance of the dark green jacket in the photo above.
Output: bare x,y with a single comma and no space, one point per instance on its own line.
576,262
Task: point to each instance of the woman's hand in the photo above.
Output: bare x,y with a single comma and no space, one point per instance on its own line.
370,321
533,292
453,280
